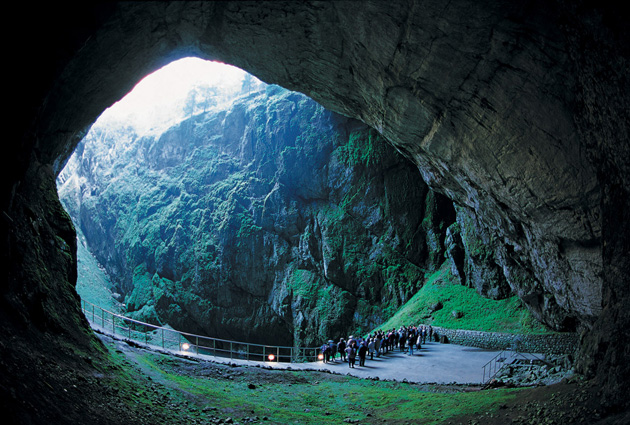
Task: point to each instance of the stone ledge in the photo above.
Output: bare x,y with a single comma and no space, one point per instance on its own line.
560,343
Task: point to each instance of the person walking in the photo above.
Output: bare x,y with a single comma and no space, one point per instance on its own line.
352,355
377,344
411,341
402,339
362,353
325,353
333,349
341,347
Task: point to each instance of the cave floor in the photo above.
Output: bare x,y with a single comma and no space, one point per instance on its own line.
572,401
143,386
434,363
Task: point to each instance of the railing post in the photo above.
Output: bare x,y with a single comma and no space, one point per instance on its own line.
231,350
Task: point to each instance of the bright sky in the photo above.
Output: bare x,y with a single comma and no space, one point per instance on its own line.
157,95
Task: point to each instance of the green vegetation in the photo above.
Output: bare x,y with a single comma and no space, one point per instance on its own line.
93,283
282,397
205,226
479,313
304,284
363,148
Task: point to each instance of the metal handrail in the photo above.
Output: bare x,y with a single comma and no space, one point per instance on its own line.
491,366
183,342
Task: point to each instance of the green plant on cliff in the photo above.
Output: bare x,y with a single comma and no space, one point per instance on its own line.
482,314
363,148
271,197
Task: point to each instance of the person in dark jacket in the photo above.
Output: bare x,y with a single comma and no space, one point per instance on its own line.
362,353
341,347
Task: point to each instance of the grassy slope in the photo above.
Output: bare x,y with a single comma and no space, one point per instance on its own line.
479,313
93,284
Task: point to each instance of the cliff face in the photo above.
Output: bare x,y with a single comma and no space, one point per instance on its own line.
275,221
516,111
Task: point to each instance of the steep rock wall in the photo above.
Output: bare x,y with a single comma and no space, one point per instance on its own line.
495,133
274,221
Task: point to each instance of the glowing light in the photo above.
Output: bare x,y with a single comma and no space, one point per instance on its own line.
156,100
320,357
271,357
185,346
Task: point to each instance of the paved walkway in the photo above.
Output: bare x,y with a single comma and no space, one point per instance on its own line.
434,363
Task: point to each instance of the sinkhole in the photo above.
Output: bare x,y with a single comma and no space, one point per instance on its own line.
210,202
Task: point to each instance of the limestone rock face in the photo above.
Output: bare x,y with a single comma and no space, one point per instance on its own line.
495,133
274,221
515,111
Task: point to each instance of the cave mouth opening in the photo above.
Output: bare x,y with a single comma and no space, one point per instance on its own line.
177,91
151,110
181,88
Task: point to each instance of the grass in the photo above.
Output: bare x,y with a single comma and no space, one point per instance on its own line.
479,313
288,397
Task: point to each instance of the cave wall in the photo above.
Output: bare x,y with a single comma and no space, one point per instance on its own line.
517,111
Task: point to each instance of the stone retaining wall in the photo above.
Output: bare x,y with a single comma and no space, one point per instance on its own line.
563,343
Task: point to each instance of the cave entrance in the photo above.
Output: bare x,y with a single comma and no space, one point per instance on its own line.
225,207
247,212
171,95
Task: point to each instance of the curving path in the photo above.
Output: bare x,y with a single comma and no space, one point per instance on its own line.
434,363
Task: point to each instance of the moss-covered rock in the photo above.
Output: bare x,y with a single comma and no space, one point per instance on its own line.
273,221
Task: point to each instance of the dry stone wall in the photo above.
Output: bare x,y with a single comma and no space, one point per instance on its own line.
557,343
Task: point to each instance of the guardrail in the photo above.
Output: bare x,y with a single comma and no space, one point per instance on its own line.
491,368
173,340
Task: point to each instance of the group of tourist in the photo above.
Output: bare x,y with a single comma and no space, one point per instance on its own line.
405,339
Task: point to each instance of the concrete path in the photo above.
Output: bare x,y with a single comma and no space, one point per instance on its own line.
434,363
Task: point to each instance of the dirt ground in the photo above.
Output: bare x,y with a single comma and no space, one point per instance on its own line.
53,392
